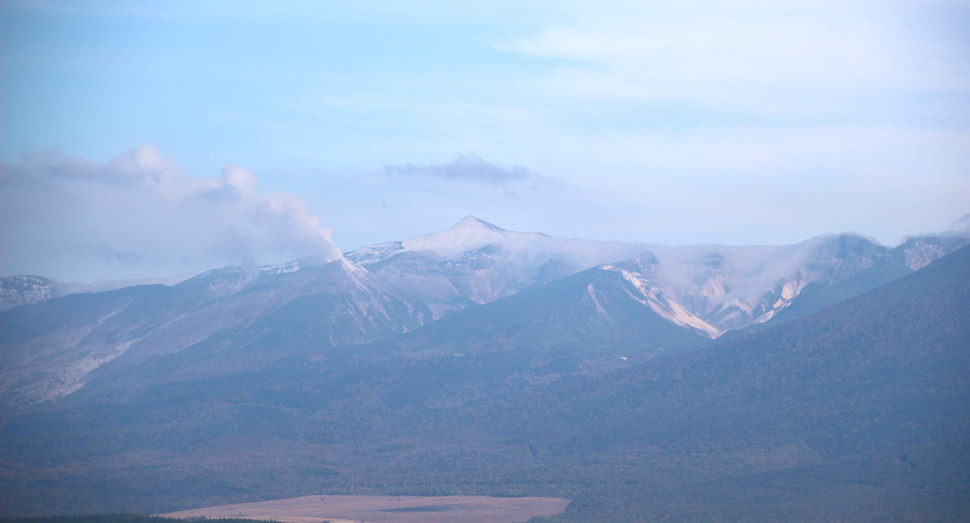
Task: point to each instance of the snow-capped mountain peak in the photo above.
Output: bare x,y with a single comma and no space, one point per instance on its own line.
468,234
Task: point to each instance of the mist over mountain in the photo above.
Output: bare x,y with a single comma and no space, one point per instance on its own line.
481,360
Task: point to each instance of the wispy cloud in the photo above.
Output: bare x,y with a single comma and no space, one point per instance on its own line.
792,59
141,214
962,225
464,168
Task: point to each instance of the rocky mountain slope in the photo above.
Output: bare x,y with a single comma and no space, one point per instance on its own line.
235,318
25,289
862,405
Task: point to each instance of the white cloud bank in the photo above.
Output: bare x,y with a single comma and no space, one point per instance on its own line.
140,214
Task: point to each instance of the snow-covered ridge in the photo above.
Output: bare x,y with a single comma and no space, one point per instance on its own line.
374,253
724,287
468,234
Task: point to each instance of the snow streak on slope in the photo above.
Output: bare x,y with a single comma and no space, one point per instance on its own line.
651,295
720,288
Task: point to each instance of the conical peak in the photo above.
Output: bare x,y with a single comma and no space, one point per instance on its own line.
472,223
469,233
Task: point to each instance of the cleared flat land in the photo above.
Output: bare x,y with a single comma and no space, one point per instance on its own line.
386,509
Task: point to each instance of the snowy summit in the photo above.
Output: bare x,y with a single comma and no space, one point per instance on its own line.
468,234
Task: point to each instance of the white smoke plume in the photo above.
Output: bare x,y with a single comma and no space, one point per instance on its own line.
140,214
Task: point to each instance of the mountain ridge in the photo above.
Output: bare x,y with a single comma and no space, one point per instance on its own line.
235,316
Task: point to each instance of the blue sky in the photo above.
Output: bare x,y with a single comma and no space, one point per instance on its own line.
669,122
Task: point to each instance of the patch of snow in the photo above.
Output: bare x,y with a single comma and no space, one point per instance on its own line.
284,268
591,291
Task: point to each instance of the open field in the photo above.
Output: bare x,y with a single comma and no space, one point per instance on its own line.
386,509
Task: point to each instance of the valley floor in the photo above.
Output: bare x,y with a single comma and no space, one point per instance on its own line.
386,509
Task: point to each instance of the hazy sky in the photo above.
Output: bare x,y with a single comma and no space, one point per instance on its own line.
155,138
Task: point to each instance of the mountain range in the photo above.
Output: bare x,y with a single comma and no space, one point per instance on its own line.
483,360
233,318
